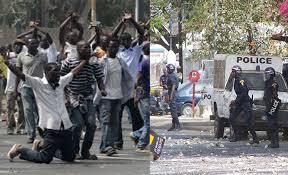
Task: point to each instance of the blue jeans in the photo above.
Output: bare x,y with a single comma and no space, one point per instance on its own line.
79,119
30,111
109,116
143,133
53,140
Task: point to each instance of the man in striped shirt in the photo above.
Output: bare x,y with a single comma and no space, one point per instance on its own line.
80,96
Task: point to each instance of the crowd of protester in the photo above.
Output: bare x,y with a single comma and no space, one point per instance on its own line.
60,92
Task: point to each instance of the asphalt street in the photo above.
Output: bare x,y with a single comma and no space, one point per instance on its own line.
194,150
126,162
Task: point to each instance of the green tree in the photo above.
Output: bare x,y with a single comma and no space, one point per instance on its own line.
244,26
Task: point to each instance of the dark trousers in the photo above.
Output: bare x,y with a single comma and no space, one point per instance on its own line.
53,140
137,121
235,111
273,128
174,107
79,120
271,112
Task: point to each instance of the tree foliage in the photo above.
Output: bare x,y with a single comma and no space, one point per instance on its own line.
23,11
244,26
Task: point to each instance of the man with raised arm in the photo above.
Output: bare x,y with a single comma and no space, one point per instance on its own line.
53,116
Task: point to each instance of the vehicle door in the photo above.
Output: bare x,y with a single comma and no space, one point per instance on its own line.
228,95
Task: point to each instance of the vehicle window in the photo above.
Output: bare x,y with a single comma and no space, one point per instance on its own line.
281,82
229,84
255,81
184,85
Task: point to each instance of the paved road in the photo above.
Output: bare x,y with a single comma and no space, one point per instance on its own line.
195,151
127,162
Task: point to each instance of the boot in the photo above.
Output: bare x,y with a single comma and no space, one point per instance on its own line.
273,145
234,139
255,141
274,141
177,124
173,127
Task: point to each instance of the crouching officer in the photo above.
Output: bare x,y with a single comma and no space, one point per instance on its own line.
172,85
242,103
272,103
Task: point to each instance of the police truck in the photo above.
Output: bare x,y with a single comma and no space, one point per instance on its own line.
253,71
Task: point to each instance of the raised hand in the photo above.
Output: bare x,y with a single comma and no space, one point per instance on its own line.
127,16
75,16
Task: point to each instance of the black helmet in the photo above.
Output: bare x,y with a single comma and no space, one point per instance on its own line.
170,68
270,72
237,69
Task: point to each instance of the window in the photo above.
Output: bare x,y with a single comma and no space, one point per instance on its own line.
255,81
281,83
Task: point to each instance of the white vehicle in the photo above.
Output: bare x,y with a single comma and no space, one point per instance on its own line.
253,71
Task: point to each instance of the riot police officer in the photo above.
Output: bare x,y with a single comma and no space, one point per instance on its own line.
272,103
241,103
172,85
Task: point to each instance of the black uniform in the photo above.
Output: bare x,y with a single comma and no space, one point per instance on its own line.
174,106
272,104
242,103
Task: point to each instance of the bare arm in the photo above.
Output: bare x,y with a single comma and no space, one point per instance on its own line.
79,27
66,22
139,30
62,39
117,28
147,25
101,86
47,35
78,68
17,83
16,71
63,29
25,33
96,36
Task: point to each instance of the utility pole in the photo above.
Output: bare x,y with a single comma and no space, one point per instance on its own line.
93,15
180,39
136,10
139,10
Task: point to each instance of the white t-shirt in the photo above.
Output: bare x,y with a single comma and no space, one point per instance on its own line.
70,50
11,77
113,79
50,102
